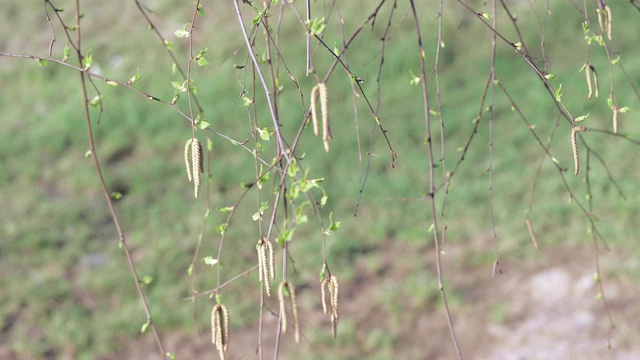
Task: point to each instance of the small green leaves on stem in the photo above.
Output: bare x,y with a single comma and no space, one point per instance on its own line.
285,236
96,101
582,118
201,123
87,60
134,78
183,32
67,51
145,326
415,80
333,225
200,60
210,260
316,26
558,94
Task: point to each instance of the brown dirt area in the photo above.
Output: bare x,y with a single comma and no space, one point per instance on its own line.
543,306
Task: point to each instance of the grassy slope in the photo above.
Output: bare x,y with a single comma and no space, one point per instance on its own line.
54,217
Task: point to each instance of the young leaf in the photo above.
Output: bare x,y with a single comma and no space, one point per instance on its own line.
134,78
558,93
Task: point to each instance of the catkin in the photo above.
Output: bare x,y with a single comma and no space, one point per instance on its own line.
587,73
615,120
291,290
266,267
294,310
196,164
220,328
187,152
595,78
332,283
574,146
314,110
283,308
607,10
335,315
323,294
324,108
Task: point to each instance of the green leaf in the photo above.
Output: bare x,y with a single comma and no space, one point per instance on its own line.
134,78
624,109
144,328
202,61
210,260
558,93
87,61
190,270
67,51
323,200
183,32
116,195
285,236
264,134
316,26
225,210
333,225
247,101
169,45
96,101
221,228
201,123
486,15
147,279
41,62
582,118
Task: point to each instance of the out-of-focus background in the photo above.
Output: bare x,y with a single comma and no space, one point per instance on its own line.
65,287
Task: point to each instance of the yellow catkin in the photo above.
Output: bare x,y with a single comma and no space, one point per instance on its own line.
259,250
615,120
607,10
600,22
324,108
334,290
595,78
215,324
187,162
314,110
196,164
587,73
272,266
294,310
220,328
283,308
225,328
323,294
265,265
574,146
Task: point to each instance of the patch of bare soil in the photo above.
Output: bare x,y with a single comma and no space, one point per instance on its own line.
545,306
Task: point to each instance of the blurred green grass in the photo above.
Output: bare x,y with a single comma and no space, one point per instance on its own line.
66,285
